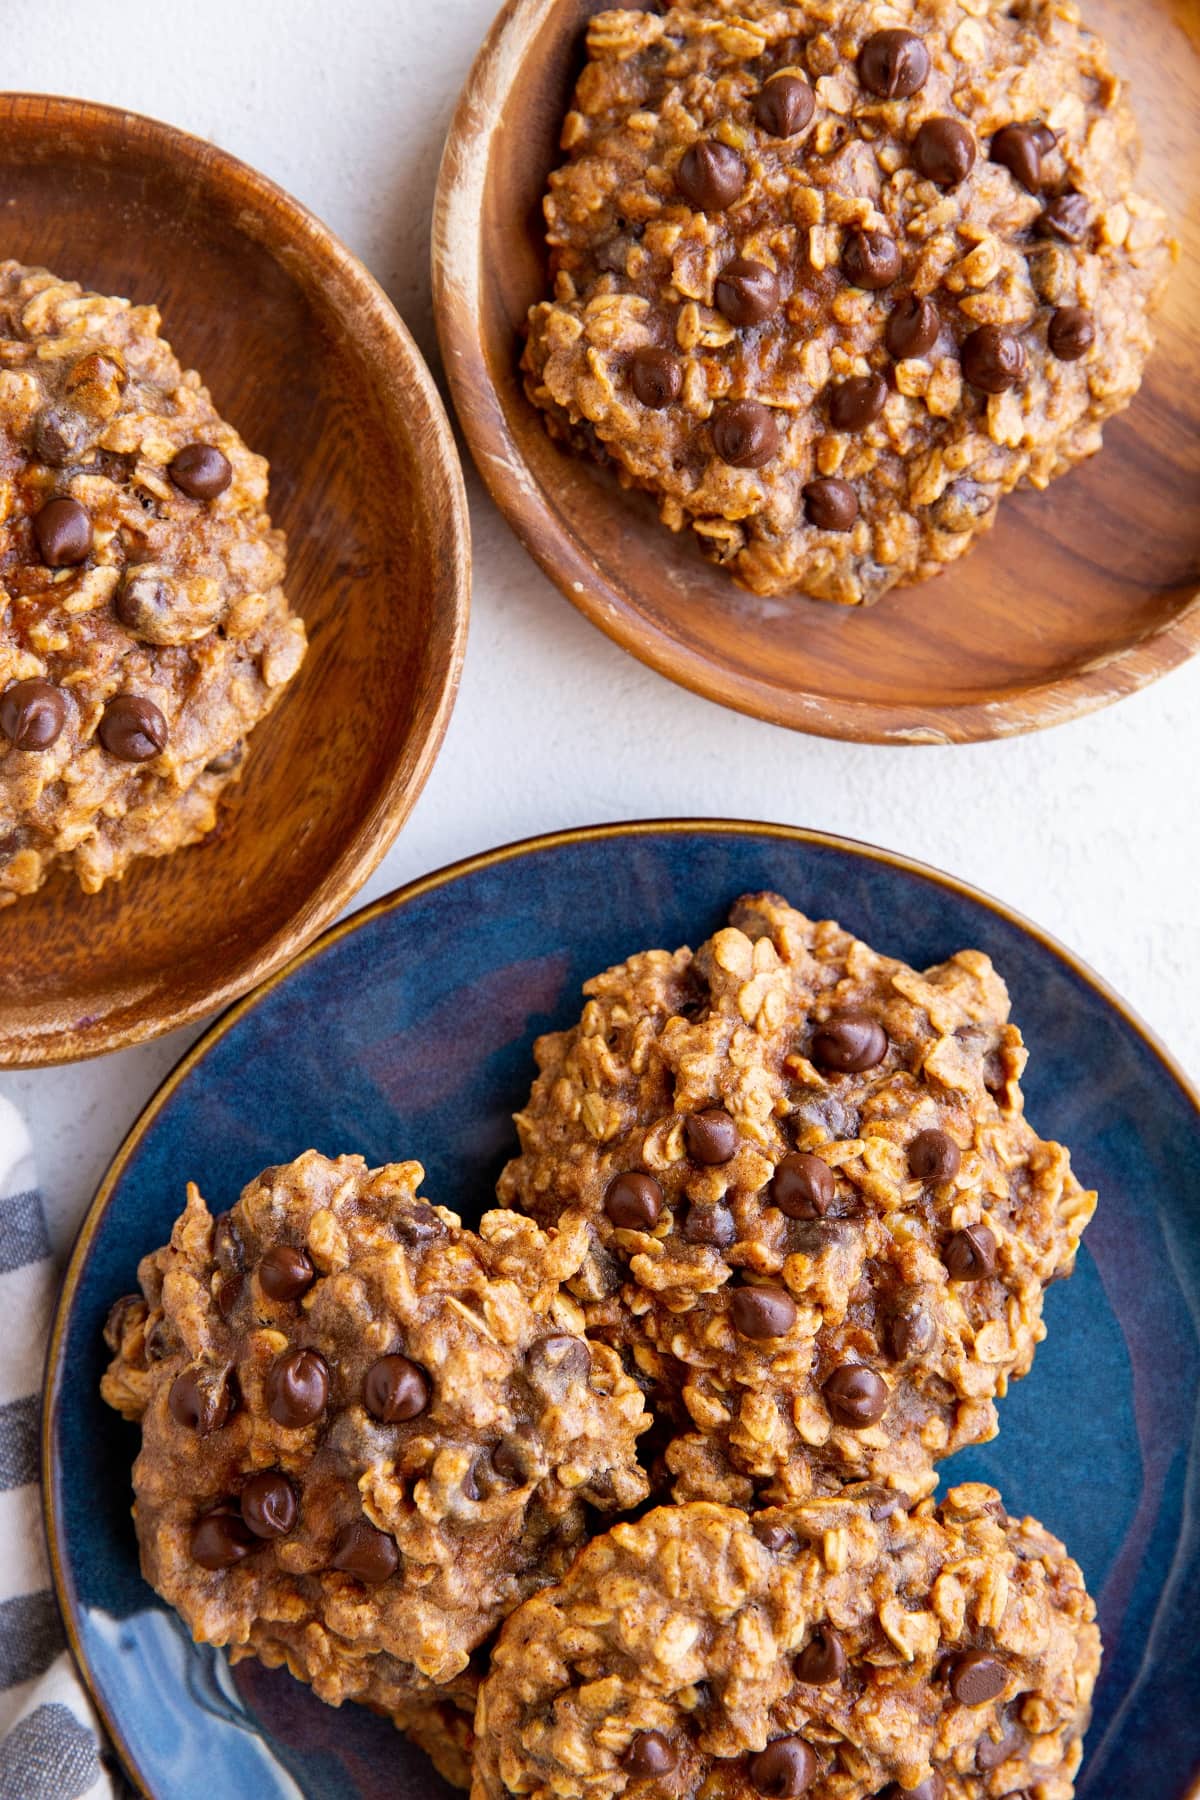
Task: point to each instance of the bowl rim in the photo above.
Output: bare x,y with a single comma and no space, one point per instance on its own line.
60,1571
533,515
332,267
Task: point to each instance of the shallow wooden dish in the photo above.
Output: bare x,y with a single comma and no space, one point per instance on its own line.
305,355
1080,595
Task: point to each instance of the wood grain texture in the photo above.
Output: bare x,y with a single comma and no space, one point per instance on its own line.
1080,596
305,355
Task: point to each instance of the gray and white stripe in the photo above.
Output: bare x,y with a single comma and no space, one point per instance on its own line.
50,1748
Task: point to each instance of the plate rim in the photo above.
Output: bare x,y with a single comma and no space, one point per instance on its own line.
60,1572
532,513
332,264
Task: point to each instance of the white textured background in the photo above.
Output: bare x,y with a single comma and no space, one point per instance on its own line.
1093,829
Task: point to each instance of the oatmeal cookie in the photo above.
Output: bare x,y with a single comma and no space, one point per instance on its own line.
831,277
839,1649
143,627
367,1434
822,1225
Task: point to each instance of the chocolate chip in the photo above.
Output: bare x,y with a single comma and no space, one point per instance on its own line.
229,1252
976,1678
365,1553
943,151
802,1186
510,1460
418,1224
713,1225
32,714
855,1396
657,377
200,471
932,1788
711,1136
893,64
147,604
1018,149
298,1388
1071,333
227,1293
497,1470
60,436
633,1201
64,533
710,175
849,1044
990,1755
650,1753
201,1399
228,760
556,1363
285,1272
934,1156
822,1661
775,1538
132,729
910,1331
745,435
784,106
747,292
993,359
221,1538
970,1254
1047,139
913,328
269,1505
395,1390
830,504
1065,218
785,1768
857,403
119,1315
871,259
762,1312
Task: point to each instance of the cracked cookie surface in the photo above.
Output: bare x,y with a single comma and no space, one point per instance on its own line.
830,279
367,1433
840,1648
144,630
822,1226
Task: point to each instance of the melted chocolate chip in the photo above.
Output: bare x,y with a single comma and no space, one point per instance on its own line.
229,1252
802,1186
910,1331
822,1661
712,1225
556,1363
943,151
200,471
633,1201
650,1753
747,292
1018,149
64,533
60,436
830,504
32,714
269,1505
745,434
298,1388
871,260
975,1678
119,1314
221,1538
993,359
201,1399
710,175
970,1254
856,1396
934,1156
784,106
849,1044
1066,217
784,1769
227,761
657,377
396,1390
772,1537
286,1272
711,1136
1071,333
369,1555
893,64
132,729
762,1312
990,1754
857,403
932,1788
913,328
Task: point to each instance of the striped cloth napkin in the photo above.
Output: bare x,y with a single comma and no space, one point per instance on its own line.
50,1744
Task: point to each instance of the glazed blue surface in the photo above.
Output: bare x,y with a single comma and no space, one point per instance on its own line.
411,1036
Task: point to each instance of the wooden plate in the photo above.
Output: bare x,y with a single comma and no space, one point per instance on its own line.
1080,596
305,355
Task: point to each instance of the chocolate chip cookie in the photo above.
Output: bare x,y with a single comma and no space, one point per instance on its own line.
143,626
367,1433
841,1648
821,1224
829,281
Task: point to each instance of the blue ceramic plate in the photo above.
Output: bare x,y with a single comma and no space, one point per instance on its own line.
407,1033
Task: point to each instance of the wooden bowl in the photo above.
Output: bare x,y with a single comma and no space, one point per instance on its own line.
1080,595
305,355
